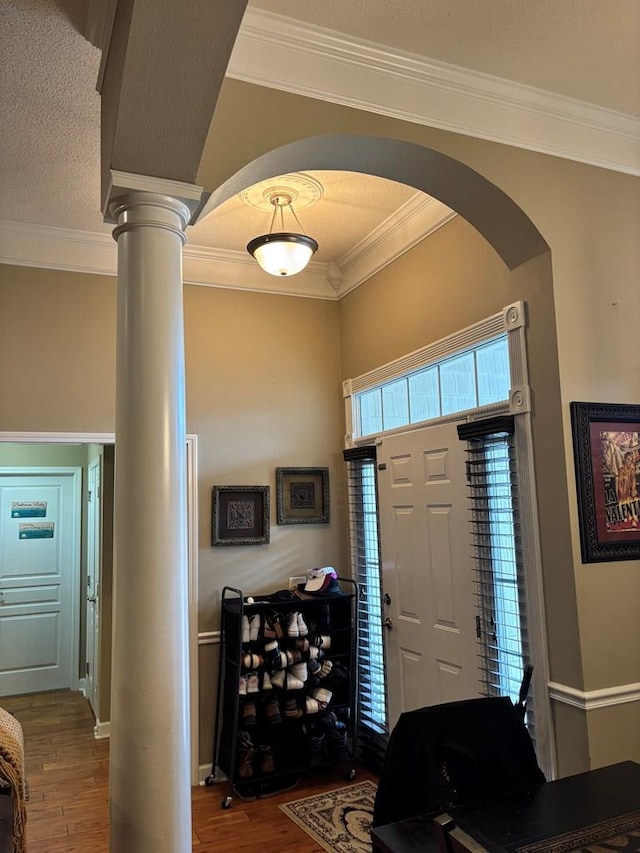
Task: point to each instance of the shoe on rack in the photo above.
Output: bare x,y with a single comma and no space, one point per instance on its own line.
293,657
266,681
292,682
292,625
321,641
299,670
292,709
272,654
266,758
249,713
322,696
325,669
302,625
315,653
311,705
316,749
337,745
302,644
245,629
272,711
246,754
242,688
254,628
252,682
278,679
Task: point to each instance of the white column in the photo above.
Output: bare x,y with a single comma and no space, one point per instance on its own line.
150,795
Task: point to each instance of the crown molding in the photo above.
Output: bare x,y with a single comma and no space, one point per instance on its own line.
275,51
50,247
591,700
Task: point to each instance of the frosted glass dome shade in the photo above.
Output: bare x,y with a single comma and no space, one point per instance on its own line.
282,253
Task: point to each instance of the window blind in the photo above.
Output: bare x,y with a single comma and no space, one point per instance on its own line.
501,618
372,721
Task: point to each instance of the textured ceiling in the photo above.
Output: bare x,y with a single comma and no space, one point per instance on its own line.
50,132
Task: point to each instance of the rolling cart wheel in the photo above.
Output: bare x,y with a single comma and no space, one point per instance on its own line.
209,781
226,803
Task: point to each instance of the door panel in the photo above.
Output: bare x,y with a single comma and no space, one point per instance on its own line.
427,568
37,570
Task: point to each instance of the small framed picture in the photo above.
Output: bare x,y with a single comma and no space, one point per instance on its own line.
303,495
240,515
606,449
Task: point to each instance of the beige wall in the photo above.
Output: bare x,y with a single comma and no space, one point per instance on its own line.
590,219
263,390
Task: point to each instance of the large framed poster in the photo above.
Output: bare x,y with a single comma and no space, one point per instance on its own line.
606,449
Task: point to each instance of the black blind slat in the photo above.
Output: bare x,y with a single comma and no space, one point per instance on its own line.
372,722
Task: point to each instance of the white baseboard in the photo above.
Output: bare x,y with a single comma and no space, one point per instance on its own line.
101,730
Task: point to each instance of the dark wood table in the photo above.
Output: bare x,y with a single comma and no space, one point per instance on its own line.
570,814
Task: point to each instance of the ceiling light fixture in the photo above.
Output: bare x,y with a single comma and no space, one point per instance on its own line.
283,252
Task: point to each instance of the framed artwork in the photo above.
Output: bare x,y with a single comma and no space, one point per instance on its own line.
606,449
240,515
303,495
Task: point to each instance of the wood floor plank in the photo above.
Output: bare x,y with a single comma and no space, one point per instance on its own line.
68,776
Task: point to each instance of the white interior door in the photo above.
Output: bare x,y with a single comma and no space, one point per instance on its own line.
39,574
92,669
427,569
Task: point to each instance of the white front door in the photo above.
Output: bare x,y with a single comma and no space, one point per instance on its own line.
427,569
39,575
93,583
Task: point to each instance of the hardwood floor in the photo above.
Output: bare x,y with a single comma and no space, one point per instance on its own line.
68,775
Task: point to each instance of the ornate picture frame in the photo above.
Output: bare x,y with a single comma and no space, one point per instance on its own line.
302,495
240,515
606,448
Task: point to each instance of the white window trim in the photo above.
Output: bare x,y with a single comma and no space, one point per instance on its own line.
512,320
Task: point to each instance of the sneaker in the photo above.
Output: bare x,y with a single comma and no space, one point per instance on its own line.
325,669
293,657
302,644
272,654
299,670
322,696
292,682
311,705
254,628
252,682
302,627
266,681
321,641
292,625
245,629
277,679
242,688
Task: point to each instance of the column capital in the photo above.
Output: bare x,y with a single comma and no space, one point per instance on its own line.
125,186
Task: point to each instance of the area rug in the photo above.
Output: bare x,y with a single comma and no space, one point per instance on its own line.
618,834
340,820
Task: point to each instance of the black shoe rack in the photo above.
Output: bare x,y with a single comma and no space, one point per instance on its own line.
286,703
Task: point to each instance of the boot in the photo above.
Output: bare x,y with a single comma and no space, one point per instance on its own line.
266,759
246,754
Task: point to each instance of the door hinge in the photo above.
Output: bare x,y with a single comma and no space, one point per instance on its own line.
478,628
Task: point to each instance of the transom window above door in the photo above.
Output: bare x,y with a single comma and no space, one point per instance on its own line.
477,377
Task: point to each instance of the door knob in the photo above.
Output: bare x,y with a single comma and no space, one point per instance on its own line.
387,623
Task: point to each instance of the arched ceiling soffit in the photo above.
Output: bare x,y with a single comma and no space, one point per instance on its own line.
494,215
